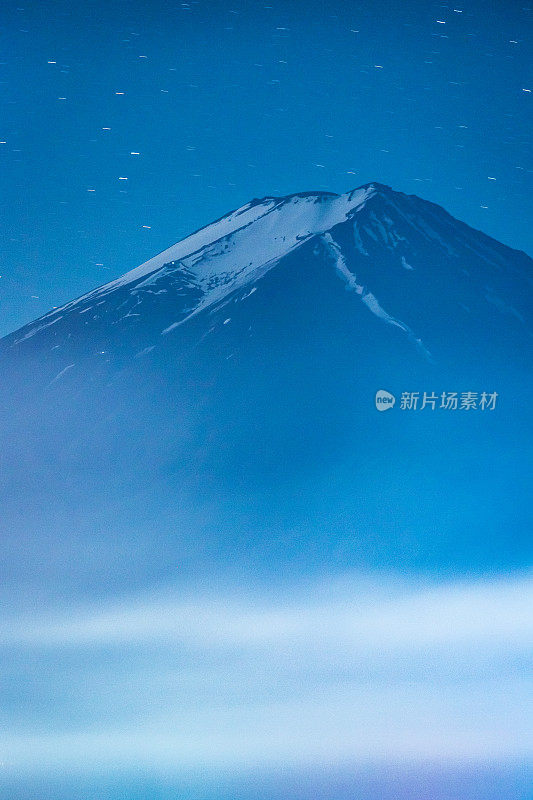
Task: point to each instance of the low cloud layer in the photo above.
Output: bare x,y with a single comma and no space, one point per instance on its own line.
363,671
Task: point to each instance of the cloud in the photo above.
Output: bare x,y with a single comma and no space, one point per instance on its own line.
359,671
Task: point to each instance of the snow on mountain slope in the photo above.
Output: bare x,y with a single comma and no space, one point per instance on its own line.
226,254
233,261
367,297
279,225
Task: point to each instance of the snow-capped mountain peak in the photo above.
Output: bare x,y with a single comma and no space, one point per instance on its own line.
249,237
402,258
282,222
234,249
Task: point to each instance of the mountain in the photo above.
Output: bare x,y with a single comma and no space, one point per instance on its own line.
406,260
215,406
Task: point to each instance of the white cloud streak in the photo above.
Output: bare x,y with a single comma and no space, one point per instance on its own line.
359,672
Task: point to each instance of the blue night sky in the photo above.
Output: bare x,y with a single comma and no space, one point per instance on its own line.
226,101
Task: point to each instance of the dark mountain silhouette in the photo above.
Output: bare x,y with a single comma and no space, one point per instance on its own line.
215,406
